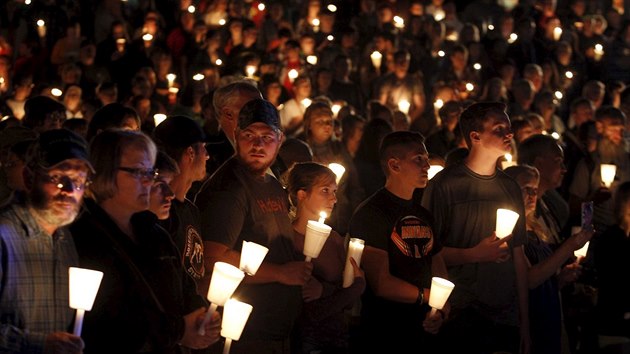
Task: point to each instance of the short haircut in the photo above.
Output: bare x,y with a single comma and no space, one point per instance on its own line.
109,116
473,117
37,108
396,145
225,95
164,163
535,146
527,171
106,150
610,113
305,175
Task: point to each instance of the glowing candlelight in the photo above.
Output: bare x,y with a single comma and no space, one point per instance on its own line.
491,27
469,86
225,279
219,62
84,284
147,37
336,108
173,90
332,8
569,75
316,235
312,59
56,92
438,104
159,118
261,7
252,255
355,251
198,77
403,106
513,38
191,9
27,2
399,22
440,291
583,251
330,38
557,33
558,95
555,135
306,102
434,169
506,220
250,70
439,15
377,58
235,316
477,66
222,22
598,52
508,161
120,44
41,28
171,79
292,74
608,173
441,53
338,170
322,217
315,24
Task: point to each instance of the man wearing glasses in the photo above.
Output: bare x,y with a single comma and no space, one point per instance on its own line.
37,248
242,202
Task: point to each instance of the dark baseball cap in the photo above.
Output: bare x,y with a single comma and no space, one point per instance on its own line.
178,132
56,146
259,111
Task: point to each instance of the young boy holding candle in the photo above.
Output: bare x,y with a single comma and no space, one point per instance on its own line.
401,253
489,302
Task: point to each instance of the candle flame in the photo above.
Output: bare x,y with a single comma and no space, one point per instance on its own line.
508,157
41,23
261,7
322,216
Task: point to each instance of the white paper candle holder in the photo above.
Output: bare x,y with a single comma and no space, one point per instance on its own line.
84,284
355,250
583,251
608,173
316,235
440,291
252,255
506,220
225,279
235,316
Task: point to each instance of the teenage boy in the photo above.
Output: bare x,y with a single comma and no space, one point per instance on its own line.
401,253
489,302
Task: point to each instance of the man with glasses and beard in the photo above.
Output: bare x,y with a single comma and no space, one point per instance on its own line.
37,248
242,202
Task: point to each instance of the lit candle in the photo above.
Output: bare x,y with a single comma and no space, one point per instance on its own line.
355,251
292,74
477,66
568,75
513,38
469,87
399,22
191,9
434,169
222,22
250,70
581,253
56,92
506,220
316,235
171,79
219,62
338,170
198,77
608,173
261,7
508,162
120,44
147,38
403,106
557,33
27,2
315,24
41,28
306,102
558,95
598,52
438,104
225,279
440,291
336,108
332,8
235,316
159,118
252,255
441,53
84,284
377,58
439,15
330,38
312,59
555,135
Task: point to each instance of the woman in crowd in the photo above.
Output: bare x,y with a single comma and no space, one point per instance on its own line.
547,272
322,326
146,302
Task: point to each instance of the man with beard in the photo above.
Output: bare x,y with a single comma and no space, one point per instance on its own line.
37,248
587,182
402,252
241,202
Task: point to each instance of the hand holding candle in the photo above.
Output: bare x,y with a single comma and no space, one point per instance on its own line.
225,279
316,235
377,58
235,316
84,284
355,251
506,220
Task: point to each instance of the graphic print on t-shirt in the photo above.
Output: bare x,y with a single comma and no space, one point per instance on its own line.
193,253
412,237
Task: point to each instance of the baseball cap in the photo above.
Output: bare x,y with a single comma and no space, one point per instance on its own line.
178,132
259,111
56,146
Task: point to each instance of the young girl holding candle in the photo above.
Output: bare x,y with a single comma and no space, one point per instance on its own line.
323,324
546,273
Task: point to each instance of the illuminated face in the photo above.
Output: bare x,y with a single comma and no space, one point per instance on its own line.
612,129
529,188
134,188
199,161
162,195
496,136
56,194
257,147
551,167
321,197
414,167
321,128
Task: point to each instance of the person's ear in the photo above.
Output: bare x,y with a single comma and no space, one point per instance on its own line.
475,137
301,195
393,165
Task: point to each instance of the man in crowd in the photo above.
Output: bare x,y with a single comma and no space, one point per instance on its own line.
37,248
242,202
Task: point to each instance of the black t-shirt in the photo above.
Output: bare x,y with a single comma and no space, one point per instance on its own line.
236,206
403,228
183,225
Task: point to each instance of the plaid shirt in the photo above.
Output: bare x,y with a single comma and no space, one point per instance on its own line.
33,281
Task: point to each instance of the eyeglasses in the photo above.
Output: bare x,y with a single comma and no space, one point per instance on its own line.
530,191
148,174
64,181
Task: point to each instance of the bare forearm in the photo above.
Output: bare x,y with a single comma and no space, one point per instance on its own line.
458,256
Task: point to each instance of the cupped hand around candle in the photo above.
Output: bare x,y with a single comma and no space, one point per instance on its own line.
433,322
492,249
63,343
192,339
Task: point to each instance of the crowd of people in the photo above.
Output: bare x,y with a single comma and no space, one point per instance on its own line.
148,139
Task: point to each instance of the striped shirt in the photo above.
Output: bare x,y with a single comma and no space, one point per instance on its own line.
33,281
